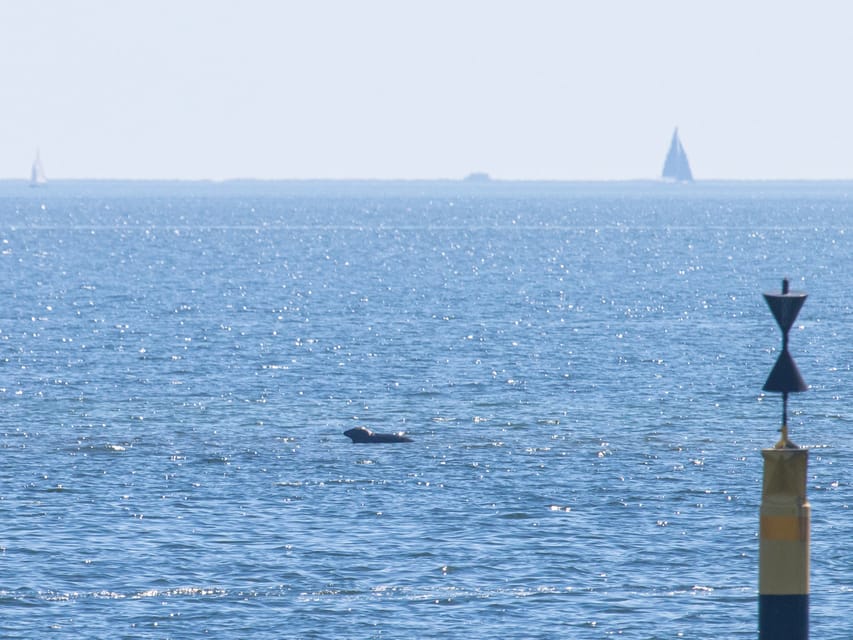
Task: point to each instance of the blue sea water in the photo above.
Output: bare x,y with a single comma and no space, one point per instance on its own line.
579,365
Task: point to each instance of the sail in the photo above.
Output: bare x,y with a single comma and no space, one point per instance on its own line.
676,166
37,175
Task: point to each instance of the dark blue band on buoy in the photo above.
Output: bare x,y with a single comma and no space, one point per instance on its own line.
783,617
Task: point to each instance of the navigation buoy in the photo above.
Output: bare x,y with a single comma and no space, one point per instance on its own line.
785,519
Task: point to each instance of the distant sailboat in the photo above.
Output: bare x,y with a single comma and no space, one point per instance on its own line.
676,166
37,176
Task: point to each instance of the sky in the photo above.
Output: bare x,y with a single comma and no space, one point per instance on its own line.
432,89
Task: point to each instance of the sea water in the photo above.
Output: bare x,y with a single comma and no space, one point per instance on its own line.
580,367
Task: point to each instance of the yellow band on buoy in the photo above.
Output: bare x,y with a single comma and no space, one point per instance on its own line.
791,529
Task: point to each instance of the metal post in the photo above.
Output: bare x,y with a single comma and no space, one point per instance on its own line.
783,573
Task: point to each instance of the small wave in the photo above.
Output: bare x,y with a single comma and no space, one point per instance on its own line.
106,594
181,591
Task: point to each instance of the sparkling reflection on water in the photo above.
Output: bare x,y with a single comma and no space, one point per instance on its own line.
579,365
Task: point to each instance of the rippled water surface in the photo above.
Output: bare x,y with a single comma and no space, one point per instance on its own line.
579,366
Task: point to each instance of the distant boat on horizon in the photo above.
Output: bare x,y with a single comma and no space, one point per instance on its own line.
676,166
478,176
37,175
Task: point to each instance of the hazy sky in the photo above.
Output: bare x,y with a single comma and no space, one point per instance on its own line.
528,89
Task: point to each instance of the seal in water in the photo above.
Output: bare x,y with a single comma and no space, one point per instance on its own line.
362,434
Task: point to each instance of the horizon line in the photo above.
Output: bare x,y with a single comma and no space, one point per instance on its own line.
465,180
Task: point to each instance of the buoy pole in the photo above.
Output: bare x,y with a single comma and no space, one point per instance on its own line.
783,574
785,518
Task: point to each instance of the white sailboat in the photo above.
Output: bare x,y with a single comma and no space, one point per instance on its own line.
676,166
37,175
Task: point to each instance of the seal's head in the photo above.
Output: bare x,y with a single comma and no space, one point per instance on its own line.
359,434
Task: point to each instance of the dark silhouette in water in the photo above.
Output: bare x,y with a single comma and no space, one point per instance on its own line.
362,434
